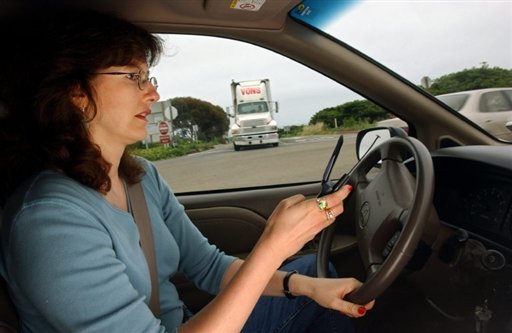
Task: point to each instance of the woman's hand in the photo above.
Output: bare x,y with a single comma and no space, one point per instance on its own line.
295,221
330,293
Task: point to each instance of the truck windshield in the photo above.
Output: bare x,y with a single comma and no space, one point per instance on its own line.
254,107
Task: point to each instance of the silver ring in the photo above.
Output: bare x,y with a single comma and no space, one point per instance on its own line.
322,204
329,214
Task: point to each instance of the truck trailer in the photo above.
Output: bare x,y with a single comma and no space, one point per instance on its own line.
253,112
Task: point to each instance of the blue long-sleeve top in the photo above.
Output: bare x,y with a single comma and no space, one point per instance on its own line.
73,262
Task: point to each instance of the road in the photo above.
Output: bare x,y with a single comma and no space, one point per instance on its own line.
296,159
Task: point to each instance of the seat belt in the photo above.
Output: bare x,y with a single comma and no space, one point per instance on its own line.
141,217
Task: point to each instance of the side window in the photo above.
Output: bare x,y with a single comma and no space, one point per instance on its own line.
455,101
494,101
198,81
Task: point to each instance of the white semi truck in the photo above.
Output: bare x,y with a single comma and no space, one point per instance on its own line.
253,112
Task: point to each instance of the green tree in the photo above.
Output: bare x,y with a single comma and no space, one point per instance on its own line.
211,120
359,110
473,78
362,110
326,116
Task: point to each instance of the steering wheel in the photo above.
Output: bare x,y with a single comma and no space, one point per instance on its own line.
390,209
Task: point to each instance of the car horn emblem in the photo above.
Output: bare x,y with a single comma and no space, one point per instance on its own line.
365,214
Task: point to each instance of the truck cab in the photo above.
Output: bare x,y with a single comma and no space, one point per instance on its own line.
253,112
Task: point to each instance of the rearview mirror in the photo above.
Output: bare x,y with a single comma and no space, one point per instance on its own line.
230,112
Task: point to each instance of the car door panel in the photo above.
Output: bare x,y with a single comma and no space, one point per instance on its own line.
235,230
223,214
234,221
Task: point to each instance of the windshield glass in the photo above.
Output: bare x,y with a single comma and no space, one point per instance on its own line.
448,46
255,107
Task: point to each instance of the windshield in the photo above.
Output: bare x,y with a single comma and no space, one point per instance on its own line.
254,107
447,47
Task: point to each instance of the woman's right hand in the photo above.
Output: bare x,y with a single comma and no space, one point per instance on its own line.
295,221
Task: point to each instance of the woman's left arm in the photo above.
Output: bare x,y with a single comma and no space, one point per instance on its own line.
327,292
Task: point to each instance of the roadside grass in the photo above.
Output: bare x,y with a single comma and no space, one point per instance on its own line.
156,151
320,128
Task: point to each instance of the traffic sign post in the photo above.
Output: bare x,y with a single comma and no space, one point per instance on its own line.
165,139
163,128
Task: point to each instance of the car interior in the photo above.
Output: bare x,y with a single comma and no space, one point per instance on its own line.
439,256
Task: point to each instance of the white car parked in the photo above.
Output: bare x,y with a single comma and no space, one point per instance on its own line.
489,108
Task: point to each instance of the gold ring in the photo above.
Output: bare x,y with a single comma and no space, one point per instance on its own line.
322,204
329,214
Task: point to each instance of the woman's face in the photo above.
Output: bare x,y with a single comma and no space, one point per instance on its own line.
123,104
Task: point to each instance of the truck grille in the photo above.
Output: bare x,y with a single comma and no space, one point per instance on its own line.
253,122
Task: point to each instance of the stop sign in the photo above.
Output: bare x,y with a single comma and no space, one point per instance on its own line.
163,127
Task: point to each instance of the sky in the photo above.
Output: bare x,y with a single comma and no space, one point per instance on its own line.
429,38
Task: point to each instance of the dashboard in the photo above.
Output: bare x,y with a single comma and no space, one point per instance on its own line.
474,190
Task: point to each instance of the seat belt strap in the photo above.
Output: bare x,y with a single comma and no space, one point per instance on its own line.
141,217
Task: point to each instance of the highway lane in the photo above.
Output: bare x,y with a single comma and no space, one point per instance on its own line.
297,159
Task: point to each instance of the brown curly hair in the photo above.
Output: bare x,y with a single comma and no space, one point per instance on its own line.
51,53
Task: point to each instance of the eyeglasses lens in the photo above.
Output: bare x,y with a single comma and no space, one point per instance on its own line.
144,79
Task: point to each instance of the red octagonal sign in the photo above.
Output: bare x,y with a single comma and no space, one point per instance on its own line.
163,127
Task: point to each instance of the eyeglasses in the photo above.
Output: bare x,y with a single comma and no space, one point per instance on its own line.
142,78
